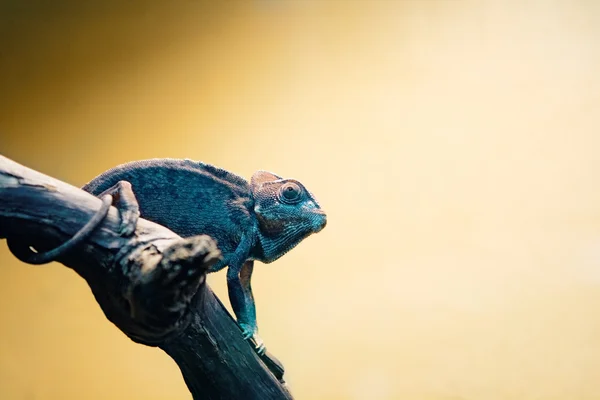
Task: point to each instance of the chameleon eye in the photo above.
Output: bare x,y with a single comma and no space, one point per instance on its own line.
290,193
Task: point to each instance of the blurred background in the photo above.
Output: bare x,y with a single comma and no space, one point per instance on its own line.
454,145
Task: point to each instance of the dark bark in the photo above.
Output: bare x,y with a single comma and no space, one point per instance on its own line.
151,285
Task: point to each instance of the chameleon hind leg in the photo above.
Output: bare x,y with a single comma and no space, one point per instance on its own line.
127,204
242,302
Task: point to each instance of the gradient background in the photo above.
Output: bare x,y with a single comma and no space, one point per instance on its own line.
454,145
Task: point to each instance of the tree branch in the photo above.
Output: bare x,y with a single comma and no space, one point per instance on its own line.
150,285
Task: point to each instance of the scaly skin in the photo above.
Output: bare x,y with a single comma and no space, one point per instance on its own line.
261,220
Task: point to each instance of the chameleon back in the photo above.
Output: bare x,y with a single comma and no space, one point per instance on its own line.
188,197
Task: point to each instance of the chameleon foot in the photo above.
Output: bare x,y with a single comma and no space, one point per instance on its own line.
268,359
256,341
260,349
274,365
129,220
125,201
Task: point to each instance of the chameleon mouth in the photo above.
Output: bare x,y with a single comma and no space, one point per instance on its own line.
320,220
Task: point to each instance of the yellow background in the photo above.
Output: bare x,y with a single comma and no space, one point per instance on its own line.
454,145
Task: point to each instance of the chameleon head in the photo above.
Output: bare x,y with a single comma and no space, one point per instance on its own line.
286,212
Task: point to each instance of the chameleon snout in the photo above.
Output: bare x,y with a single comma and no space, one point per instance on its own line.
320,219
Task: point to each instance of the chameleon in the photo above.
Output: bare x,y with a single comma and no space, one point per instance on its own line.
260,220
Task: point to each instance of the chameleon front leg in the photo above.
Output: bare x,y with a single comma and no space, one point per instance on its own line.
125,201
242,302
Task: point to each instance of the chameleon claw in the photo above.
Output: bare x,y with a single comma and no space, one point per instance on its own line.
129,220
247,333
251,335
261,349
247,336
